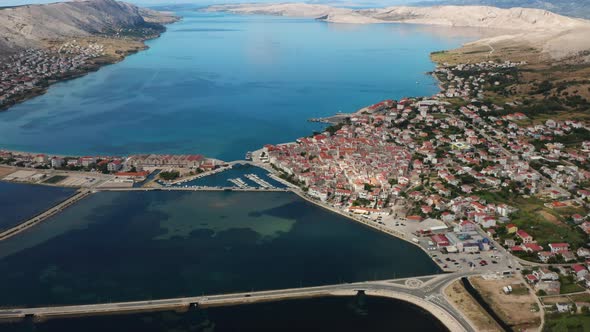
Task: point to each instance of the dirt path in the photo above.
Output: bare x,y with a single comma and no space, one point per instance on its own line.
473,312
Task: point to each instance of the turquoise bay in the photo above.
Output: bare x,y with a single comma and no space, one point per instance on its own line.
221,85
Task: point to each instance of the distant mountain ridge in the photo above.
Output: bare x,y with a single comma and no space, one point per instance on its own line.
553,36
577,8
519,19
29,26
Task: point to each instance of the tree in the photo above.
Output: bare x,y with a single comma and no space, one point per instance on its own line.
169,175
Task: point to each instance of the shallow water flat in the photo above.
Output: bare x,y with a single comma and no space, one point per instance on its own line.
142,245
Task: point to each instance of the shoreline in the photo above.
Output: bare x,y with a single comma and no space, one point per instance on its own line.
181,304
379,228
335,118
91,67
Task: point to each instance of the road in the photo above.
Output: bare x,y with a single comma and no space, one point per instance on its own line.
425,292
44,215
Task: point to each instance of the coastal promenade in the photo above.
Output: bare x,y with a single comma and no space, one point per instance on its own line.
425,292
44,215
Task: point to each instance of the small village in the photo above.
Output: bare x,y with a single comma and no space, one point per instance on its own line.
35,68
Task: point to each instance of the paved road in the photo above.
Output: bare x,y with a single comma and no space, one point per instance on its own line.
425,292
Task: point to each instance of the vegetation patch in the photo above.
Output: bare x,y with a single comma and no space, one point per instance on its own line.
55,179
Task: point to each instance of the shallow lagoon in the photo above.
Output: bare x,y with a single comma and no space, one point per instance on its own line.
158,244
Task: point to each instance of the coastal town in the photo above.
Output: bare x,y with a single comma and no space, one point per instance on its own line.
471,177
475,184
480,182
23,73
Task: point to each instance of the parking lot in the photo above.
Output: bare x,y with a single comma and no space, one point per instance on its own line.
495,260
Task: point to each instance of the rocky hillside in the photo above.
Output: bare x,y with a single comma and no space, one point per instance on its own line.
31,26
574,8
527,19
554,36
466,16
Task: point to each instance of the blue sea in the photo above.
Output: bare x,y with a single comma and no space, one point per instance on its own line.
221,84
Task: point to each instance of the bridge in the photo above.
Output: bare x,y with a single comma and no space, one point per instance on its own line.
425,292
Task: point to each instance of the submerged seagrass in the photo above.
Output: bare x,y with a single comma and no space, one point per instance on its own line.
141,245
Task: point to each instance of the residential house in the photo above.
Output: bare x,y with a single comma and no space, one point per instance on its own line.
524,236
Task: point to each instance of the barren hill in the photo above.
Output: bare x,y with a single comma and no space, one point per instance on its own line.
31,25
554,36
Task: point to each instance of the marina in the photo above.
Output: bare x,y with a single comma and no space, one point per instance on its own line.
240,176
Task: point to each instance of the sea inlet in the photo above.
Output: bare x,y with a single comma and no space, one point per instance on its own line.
117,246
221,85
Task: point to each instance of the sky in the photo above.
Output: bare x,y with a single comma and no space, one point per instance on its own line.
205,2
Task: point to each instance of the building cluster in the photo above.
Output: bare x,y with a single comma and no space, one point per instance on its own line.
440,161
34,68
132,166
171,161
470,80
549,280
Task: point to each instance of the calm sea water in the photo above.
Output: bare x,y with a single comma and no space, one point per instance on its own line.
343,314
221,85
19,202
141,245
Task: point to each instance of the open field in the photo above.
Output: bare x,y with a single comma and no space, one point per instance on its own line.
567,323
459,297
568,285
544,224
518,309
55,179
4,171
